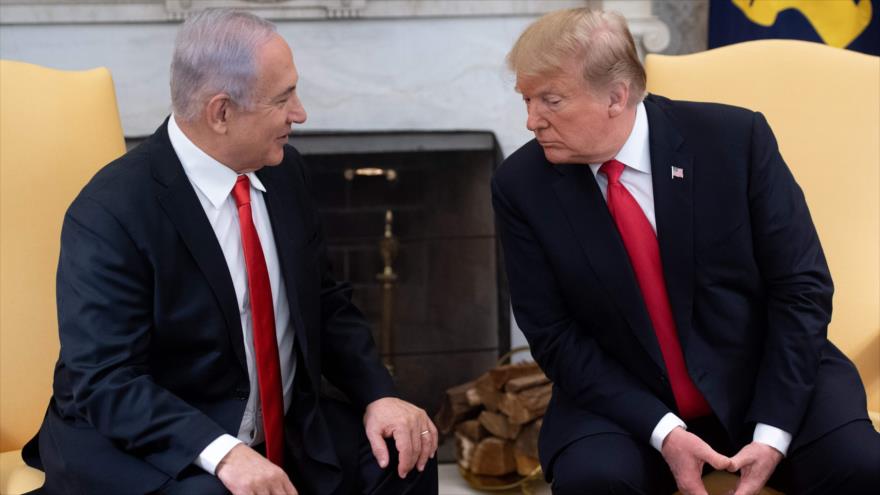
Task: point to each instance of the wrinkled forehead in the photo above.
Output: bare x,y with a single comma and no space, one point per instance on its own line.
275,66
564,80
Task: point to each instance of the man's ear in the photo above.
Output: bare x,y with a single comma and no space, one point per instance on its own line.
618,97
217,112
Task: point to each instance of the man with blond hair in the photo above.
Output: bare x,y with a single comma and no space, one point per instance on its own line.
665,270
198,313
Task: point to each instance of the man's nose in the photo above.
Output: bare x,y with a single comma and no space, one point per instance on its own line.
535,121
297,112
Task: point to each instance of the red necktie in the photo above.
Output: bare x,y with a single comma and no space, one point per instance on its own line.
644,254
263,317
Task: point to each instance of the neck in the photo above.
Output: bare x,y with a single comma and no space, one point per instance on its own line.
208,141
625,122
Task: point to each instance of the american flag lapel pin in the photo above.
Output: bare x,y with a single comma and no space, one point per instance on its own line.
677,172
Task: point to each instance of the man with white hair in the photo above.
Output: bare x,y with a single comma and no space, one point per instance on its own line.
665,270
198,313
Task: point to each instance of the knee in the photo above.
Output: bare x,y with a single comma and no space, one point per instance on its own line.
860,466
431,467
848,472
592,476
426,481
850,465
202,483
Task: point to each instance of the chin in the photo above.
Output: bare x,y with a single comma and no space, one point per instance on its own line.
556,157
275,158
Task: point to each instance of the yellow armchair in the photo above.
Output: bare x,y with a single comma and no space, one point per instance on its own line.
823,104
56,129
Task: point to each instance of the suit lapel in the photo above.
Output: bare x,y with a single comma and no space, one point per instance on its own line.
597,235
289,232
186,213
673,208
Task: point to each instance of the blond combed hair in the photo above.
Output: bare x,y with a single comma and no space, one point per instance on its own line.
598,42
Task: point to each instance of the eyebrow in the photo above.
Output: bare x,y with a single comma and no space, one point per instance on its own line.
285,93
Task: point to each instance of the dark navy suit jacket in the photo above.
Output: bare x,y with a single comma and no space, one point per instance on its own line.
747,280
152,364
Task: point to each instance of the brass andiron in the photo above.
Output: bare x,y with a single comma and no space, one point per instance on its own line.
389,173
388,247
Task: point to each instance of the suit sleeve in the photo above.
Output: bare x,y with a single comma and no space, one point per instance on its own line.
797,283
104,292
562,346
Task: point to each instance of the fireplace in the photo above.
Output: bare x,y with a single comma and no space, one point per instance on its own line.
449,317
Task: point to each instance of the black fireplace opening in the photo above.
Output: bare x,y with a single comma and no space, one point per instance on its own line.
425,195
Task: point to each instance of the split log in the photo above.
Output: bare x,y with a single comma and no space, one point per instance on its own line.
455,407
496,419
525,382
525,465
503,374
472,430
473,397
526,405
527,441
490,396
498,425
493,457
464,450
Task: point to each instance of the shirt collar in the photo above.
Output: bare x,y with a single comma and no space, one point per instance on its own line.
636,152
214,179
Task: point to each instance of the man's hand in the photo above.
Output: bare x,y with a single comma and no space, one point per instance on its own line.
414,434
243,471
755,462
686,453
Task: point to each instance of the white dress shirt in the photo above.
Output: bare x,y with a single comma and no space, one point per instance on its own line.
213,183
636,177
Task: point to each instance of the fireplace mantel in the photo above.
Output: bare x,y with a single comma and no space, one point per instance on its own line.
128,11
654,33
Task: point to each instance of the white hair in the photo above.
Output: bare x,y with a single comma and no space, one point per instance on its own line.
215,52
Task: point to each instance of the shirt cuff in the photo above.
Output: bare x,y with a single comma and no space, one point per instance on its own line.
215,452
667,423
772,436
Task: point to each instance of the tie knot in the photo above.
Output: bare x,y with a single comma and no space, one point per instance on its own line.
612,169
241,193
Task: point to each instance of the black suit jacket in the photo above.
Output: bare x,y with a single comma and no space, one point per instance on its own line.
152,365
747,281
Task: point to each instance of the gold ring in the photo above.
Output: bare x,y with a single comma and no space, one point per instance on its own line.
424,432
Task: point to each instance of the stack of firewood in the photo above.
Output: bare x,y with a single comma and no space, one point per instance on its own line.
496,419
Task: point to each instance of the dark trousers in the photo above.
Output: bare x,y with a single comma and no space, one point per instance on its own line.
845,460
361,473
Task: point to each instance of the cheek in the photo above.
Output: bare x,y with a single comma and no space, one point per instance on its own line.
569,132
